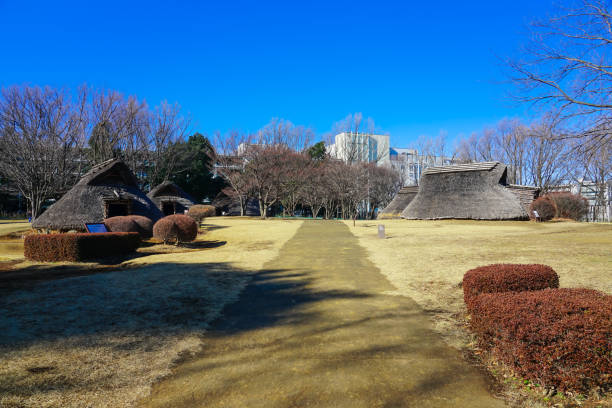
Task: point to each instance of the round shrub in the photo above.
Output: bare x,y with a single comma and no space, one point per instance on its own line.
130,223
176,228
568,205
545,208
506,278
556,337
199,212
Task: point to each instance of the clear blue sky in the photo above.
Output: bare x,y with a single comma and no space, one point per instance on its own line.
415,67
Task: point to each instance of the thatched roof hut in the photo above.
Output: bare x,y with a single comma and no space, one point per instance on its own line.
476,191
227,204
109,189
170,198
399,203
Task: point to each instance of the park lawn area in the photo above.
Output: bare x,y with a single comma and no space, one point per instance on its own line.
13,226
103,339
426,260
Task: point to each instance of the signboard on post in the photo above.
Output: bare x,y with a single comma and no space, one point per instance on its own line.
96,228
381,231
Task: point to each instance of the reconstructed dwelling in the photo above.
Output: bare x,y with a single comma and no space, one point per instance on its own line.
399,203
469,191
109,189
170,198
228,205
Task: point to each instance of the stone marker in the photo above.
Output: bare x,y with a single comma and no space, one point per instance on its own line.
381,231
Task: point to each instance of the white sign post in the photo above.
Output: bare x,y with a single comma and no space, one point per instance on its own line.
381,231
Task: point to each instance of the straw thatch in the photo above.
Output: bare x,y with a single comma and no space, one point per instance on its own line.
399,203
108,189
170,198
467,191
226,204
525,195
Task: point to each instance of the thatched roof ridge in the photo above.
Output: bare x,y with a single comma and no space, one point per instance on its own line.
117,167
399,203
474,191
86,201
482,166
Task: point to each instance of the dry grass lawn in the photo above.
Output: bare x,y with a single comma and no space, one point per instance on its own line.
11,226
426,260
101,340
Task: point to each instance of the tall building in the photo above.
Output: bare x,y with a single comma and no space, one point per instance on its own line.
361,147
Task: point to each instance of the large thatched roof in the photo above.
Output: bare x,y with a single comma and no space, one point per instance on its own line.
229,205
466,191
108,183
399,203
168,192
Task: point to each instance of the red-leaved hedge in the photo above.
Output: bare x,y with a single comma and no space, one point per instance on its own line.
200,211
78,247
176,228
131,223
559,338
506,278
570,205
545,207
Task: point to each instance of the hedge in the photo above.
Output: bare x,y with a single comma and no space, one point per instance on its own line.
176,228
78,247
199,212
131,223
570,205
506,278
558,338
545,207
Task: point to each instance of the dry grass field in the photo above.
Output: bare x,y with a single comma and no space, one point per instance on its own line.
426,260
102,339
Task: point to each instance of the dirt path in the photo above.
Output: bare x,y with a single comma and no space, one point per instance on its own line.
313,329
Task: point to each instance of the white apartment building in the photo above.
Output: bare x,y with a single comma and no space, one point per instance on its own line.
361,147
410,164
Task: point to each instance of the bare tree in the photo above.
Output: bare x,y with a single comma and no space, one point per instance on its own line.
383,185
41,137
283,132
230,163
353,142
567,64
546,155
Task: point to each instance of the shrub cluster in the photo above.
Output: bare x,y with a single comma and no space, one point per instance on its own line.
545,207
131,223
569,205
78,247
506,278
555,337
176,228
199,212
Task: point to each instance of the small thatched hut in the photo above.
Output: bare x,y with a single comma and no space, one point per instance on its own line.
227,204
109,189
467,191
399,203
170,198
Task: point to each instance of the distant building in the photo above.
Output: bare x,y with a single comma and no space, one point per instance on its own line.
410,164
361,148
598,196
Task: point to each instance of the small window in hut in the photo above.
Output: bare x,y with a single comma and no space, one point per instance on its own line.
117,208
168,207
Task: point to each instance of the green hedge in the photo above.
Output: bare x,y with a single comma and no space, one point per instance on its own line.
78,247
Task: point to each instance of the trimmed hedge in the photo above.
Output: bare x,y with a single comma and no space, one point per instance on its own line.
568,205
506,278
545,207
199,212
78,247
176,228
559,338
131,223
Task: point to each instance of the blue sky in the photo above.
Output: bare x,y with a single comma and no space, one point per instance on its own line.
416,68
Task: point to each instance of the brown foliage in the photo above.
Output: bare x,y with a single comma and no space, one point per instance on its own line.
545,207
506,278
131,223
176,228
199,212
555,337
78,247
570,205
